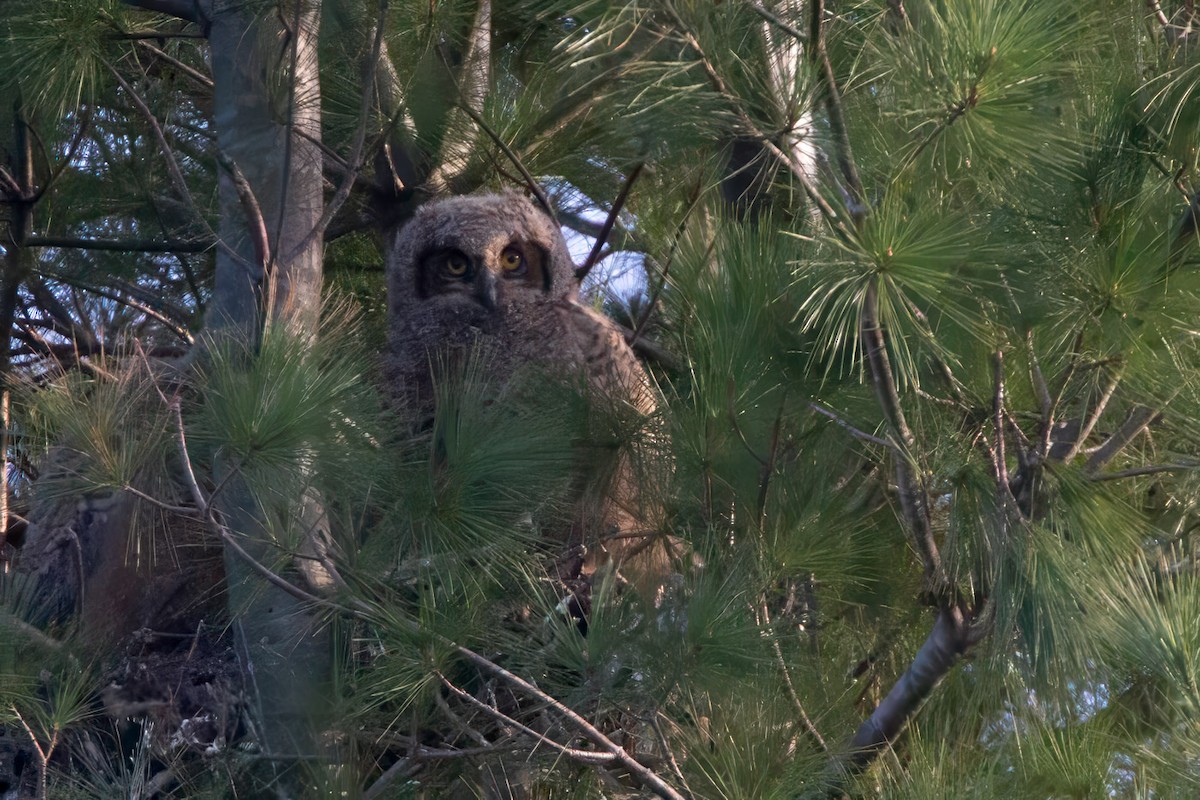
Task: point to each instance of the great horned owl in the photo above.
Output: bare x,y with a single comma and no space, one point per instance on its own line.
493,273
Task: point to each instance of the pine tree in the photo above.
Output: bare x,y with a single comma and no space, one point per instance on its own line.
916,281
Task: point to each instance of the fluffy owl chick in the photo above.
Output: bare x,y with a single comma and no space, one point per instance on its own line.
493,273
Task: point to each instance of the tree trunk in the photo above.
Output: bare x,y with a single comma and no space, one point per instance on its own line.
266,94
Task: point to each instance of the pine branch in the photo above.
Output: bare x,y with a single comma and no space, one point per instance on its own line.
1138,420
911,494
1152,469
804,179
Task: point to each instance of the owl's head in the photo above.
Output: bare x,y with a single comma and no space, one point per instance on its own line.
480,254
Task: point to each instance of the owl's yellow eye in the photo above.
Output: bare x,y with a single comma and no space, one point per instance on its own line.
511,260
456,265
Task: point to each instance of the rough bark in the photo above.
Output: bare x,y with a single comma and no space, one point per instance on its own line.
266,102
267,114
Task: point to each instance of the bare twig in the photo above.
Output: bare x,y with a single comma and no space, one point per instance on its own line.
1093,418
594,256
853,431
833,104
643,775
719,85
43,754
768,465
670,755
590,757
256,224
68,156
1000,460
173,170
531,184
805,721
693,201
774,19
911,493
1153,469
195,74
119,245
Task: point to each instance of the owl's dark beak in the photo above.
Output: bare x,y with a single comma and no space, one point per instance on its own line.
485,288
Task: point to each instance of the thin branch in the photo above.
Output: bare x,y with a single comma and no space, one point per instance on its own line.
532,185
174,406
174,327
670,754
68,156
1001,459
730,392
9,185
400,769
953,113
1093,418
768,466
805,180
120,245
43,755
853,431
173,170
621,238
256,224
774,19
187,511
193,73
911,494
693,202
606,229
139,35
643,775
1153,469
1160,15
805,721
833,104
1040,387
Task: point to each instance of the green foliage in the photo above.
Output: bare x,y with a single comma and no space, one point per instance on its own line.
1020,242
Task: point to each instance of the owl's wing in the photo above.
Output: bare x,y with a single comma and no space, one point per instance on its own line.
597,346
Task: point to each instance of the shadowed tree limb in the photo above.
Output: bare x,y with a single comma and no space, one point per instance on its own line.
938,654
188,10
